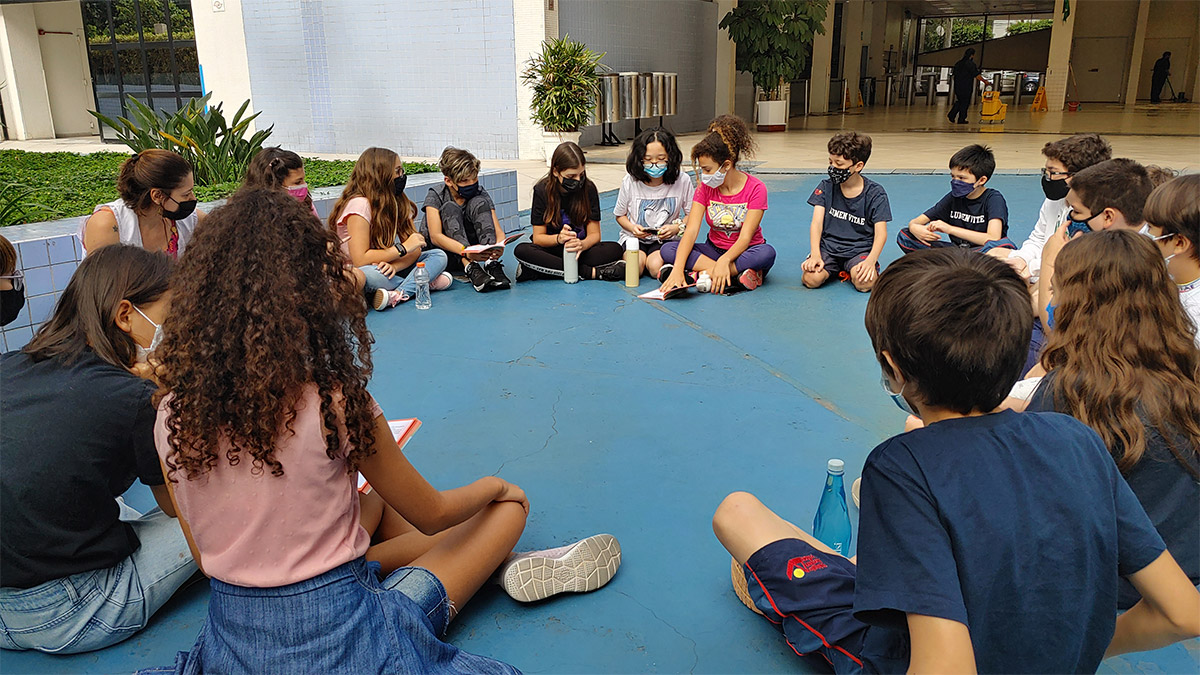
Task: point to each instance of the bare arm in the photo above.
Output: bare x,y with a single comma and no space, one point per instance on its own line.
919,220
361,253
1168,612
433,220
593,236
542,238
939,646
994,227
100,230
1050,251
878,244
187,531
815,230
163,496
396,480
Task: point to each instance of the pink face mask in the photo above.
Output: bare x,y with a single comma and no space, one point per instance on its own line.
300,192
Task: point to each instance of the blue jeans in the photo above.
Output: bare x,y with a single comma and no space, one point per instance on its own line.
342,621
435,263
93,610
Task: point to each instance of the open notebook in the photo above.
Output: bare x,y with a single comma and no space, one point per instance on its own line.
499,248
403,430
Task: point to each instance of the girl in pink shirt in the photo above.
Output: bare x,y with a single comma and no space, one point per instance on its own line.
264,426
732,202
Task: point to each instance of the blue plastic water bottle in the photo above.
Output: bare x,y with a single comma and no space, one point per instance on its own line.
832,524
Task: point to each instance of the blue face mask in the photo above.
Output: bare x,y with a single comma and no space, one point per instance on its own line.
1075,227
1050,314
960,188
655,170
897,396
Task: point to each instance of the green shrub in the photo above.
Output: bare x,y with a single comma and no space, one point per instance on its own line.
564,82
64,184
218,150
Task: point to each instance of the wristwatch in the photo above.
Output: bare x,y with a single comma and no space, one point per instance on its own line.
401,250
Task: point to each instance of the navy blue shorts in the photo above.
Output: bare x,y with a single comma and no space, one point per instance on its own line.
809,596
836,264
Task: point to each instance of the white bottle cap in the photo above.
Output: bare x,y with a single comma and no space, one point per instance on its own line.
631,245
837,467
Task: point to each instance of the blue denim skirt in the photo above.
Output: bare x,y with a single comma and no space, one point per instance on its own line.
342,621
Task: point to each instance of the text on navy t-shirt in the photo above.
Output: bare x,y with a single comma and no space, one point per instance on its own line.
971,214
849,228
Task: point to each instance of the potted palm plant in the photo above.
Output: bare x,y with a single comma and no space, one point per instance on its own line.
565,86
772,38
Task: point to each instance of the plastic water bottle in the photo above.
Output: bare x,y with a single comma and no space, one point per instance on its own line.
421,276
570,267
832,524
632,258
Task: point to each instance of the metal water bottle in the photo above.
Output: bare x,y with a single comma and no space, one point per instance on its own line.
632,271
570,267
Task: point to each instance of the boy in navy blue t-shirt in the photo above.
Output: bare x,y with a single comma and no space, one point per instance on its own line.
974,215
850,214
989,542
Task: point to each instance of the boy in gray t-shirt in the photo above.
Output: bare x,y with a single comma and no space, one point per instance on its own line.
460,213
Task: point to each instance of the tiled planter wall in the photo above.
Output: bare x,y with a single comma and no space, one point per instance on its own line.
48,253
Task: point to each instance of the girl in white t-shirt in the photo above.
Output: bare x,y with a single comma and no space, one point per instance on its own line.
655,196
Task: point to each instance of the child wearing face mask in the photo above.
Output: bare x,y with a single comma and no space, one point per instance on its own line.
566,221
81,569
974,215
850,214
732,202
655,196
460,213
156,210
1173,220
374,221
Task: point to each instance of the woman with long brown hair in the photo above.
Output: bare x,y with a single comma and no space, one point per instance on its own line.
81,569
374,223
264,425
566,221
1123,360
156,209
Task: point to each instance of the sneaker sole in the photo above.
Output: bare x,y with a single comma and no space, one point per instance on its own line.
380,301
588,565
750,279
740,587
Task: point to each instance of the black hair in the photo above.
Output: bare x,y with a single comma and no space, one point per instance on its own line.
969,53
633,163
978,159
957,325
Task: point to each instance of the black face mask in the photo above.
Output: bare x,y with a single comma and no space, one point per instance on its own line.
398,184
1055,189
468,191
838,176
11,302
185,209
571,184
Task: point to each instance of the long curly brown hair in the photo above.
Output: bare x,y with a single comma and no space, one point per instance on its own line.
372,178
259,314
1123,354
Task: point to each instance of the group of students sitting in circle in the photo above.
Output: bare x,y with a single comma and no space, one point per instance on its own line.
230,375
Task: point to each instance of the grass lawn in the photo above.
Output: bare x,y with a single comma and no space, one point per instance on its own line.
65,184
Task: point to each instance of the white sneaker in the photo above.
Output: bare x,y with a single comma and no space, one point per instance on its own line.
441,282
385,299
704,282
580,567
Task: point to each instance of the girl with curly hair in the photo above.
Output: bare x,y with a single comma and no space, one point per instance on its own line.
81,569
733,202
156,209
1123,360
374,221
265,414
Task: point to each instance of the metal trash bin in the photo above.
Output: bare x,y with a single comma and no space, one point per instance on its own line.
630,103
657,103
609,103
670,93
645,96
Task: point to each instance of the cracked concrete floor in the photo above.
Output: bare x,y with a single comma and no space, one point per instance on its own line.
633,417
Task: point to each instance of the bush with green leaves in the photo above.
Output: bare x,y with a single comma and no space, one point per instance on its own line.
37,186
565,84
1019,27
772,38
218,151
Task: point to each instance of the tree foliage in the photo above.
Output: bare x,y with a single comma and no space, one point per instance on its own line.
773,38
962,32
1019,27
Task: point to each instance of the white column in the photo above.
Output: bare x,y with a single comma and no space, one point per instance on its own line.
1135,55
852,38
822,61
726,61
1060,55
221,49
26,99
532,21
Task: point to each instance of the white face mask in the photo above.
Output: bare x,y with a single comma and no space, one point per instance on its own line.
713,180
143,353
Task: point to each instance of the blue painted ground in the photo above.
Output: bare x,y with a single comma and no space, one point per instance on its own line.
633,417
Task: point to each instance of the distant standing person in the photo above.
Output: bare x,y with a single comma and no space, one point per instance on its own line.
1162,68
964,77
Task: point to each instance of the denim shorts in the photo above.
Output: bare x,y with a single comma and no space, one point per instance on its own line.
342,621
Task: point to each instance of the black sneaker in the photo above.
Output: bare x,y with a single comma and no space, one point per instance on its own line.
613,271
664,272
479,278
499,282
524,273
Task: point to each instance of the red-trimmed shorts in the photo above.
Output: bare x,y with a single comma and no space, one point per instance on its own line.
809,596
